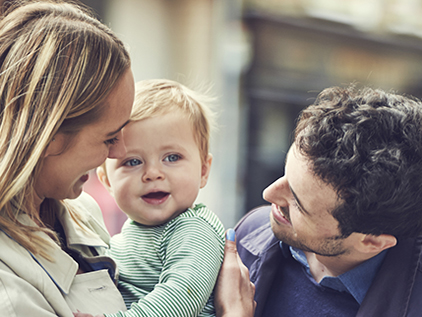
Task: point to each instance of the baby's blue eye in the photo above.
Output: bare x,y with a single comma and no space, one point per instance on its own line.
133,162
172,158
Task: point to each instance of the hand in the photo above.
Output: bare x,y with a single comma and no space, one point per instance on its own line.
234,292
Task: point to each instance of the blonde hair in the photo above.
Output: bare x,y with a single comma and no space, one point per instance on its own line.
57,66
156,97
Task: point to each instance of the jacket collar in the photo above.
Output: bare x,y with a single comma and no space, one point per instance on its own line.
395,278
265,248
260,240
86,233
63,270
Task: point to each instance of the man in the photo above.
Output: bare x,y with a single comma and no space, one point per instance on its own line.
342,236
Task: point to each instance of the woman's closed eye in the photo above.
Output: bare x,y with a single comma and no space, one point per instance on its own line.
111,141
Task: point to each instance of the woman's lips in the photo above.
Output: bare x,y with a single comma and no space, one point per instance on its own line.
156,198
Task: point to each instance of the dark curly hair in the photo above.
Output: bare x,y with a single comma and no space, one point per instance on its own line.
367,144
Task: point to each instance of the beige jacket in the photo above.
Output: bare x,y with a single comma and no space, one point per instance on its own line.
32,286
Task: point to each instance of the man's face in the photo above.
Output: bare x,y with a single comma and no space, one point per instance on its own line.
301,206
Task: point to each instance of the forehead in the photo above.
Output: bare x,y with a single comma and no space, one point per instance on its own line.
315,196
166,128
118,107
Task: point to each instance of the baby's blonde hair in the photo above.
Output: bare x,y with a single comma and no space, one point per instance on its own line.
157,97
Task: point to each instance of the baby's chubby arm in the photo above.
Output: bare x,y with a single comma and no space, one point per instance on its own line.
191,262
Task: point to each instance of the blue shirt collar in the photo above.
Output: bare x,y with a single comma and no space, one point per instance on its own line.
356,282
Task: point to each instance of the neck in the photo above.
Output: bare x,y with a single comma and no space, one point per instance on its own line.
321,266
37,200
47,214
47,217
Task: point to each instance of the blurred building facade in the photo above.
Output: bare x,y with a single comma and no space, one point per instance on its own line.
302,47
265,60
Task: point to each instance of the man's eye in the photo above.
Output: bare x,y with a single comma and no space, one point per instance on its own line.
172,158
132,162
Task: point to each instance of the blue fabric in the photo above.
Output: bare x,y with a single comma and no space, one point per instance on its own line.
355,282
395,292
295,293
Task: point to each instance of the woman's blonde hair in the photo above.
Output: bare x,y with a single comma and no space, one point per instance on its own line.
57,66
156,97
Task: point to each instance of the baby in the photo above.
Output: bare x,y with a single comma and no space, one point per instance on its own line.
169,251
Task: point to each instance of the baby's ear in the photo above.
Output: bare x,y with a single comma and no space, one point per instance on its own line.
206,168
102,176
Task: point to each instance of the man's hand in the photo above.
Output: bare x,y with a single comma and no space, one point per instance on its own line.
234,294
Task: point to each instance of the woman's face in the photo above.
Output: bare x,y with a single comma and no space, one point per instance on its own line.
65,171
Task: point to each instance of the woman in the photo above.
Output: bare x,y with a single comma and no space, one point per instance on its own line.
66,92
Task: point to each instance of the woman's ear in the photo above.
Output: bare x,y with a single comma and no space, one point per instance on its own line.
206,168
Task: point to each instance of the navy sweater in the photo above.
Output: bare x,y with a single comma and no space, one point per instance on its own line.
303,297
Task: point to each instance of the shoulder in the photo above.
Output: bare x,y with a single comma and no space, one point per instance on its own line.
199,217
25,288
84,213
87,207
253,232
398,282
20,298
414,302
254,219
197,227
137,235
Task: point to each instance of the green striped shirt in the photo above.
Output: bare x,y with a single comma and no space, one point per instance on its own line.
169,270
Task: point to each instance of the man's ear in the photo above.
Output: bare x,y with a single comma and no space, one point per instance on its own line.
376,244
206,168
102,176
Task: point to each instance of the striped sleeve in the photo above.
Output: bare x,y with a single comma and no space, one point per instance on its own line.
191,250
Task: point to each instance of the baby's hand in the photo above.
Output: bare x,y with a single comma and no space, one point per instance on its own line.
79,314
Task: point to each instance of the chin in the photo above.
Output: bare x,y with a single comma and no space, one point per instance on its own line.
280,233
75,193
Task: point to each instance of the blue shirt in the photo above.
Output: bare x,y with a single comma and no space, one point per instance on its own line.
356,282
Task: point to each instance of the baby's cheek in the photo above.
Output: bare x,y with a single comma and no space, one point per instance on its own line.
122,195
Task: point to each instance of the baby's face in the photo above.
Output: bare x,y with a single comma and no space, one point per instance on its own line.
161,173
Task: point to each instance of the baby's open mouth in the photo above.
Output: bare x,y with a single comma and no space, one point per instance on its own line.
156,195
156,198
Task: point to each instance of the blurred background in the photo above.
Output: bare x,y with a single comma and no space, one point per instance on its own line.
264,60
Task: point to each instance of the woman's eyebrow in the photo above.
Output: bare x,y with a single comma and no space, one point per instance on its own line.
118,130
